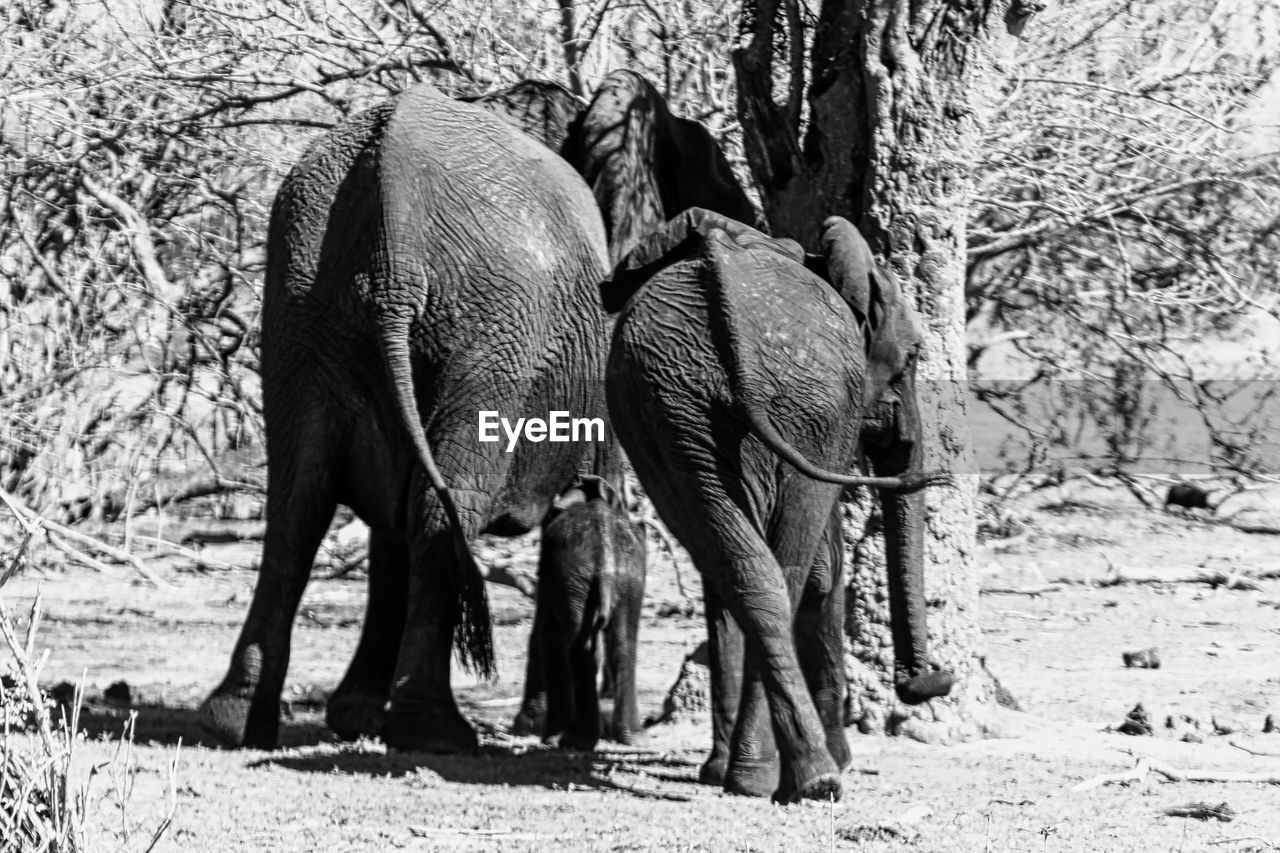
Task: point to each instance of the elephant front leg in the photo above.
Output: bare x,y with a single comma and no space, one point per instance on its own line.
621,643
358,706
756,593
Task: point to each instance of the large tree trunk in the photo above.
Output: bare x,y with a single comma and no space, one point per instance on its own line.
899,93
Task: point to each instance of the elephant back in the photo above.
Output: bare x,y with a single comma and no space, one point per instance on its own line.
458,166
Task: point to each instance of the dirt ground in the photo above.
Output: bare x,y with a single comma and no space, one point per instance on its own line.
1059,653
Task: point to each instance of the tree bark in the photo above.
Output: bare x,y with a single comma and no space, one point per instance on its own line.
899,95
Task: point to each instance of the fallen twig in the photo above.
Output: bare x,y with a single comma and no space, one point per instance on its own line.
1033,591
1121,575
1203,811
649,793
28,530
1123,777
117,554
1243,838
464,832
1173,774
1256,752
166,548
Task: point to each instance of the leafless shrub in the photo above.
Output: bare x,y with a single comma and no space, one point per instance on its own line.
142,144
38,812
1128,208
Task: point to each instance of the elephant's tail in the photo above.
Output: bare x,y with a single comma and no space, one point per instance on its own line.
473,634
756,414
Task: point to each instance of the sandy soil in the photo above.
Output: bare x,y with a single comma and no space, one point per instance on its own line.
1059,653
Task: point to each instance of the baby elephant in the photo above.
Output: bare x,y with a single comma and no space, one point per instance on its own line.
590,583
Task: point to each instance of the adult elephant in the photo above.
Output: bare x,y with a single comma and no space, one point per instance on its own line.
426,261
733,354
646,165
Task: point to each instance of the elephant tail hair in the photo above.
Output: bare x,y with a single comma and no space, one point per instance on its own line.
473,632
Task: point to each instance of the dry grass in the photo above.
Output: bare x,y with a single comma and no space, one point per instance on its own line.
39,812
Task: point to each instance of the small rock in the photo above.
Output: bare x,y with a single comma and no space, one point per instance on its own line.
1189,726
1269,725
1137,722
1203,811
1142,659
118,694
1226,726
1186,495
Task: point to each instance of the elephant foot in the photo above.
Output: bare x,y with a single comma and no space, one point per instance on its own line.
532,720
823,786
922,688
627,736
713,770
353,715
228,717
573,741
439,732
751,778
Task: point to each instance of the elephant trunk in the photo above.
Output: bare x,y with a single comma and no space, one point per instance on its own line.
903,513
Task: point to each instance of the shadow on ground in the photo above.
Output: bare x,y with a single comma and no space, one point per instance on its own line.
166,725
495,764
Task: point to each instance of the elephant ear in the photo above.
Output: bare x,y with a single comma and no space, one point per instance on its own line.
646,165
681,238
543,110
850,266
871,291
693,172
613,145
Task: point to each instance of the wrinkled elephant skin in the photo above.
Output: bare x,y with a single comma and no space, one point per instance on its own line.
730,355
590,596
426,260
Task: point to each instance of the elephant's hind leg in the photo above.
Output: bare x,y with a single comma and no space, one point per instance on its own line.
423,715
358,706
584,729
752,769
531,719
621,644
753,586
820,640
301,499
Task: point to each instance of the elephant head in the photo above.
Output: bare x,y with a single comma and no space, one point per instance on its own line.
646,165
543,110
891,439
